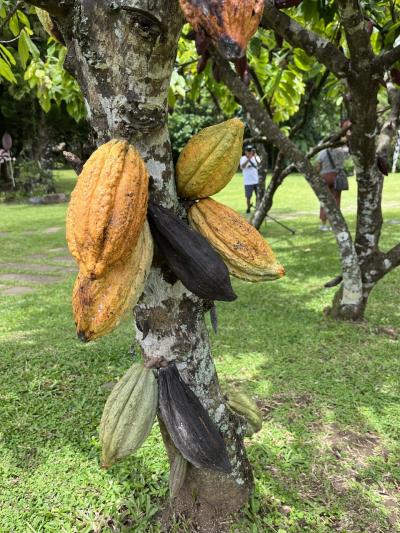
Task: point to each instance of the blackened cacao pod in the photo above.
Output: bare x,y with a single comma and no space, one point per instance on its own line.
190,256
188,423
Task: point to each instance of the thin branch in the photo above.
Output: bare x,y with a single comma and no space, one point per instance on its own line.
391,124
10,14
387,59
74,161
391,259
300,37
54,7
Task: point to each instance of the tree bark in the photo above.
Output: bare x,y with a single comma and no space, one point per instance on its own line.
122,55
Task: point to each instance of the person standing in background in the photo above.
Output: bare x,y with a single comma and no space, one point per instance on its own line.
330,163
249,164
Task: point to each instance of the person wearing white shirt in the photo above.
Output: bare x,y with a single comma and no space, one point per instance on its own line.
249,164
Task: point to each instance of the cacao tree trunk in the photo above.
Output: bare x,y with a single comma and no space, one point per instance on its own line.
122,54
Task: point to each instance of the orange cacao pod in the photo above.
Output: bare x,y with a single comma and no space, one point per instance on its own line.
229,23
108,208
209,160
98,304
244,251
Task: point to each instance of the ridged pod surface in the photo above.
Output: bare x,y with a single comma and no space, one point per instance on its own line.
246,407
177,475
244,251
209,160
188,423
98,305
190,256
128,415
229,23
108,208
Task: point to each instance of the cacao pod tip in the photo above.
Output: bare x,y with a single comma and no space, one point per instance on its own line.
281,271
229,48
82,337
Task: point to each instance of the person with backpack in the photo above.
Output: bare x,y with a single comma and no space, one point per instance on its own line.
249,164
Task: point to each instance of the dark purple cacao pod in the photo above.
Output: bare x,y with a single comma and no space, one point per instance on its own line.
188,423
383,165
190,256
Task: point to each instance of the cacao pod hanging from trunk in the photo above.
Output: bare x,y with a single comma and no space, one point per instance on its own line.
99,304
189,256
188,423
209,160
243,249
128,415
246,407
177,474
229,23
108,208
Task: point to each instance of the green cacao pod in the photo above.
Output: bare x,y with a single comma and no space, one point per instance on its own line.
246,407
177,475
209,160
190,256
188,423
128,415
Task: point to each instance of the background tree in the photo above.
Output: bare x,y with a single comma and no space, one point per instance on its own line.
356,48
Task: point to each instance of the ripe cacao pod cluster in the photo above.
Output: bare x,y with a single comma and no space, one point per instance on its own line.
109,236
205,166
229,23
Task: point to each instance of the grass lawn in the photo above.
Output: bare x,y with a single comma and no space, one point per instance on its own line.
327,458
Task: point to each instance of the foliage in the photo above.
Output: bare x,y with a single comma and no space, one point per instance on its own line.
326,458
31,179
38,68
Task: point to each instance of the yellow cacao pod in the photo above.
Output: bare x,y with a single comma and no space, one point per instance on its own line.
244,251
209,160
99,304
108,208
128,415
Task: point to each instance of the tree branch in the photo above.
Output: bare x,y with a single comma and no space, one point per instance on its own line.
391,124
298,36
352,293
357,37
387,59
54,7
391,259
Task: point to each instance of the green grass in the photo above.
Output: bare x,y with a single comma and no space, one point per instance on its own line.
327,456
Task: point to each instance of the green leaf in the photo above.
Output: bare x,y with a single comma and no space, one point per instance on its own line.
32,47
7,55
23,50
171,98
14,25
23,18
6,72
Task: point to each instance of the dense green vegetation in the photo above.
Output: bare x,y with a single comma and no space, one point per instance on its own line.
327,457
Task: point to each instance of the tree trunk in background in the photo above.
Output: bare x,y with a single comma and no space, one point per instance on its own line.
123,59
